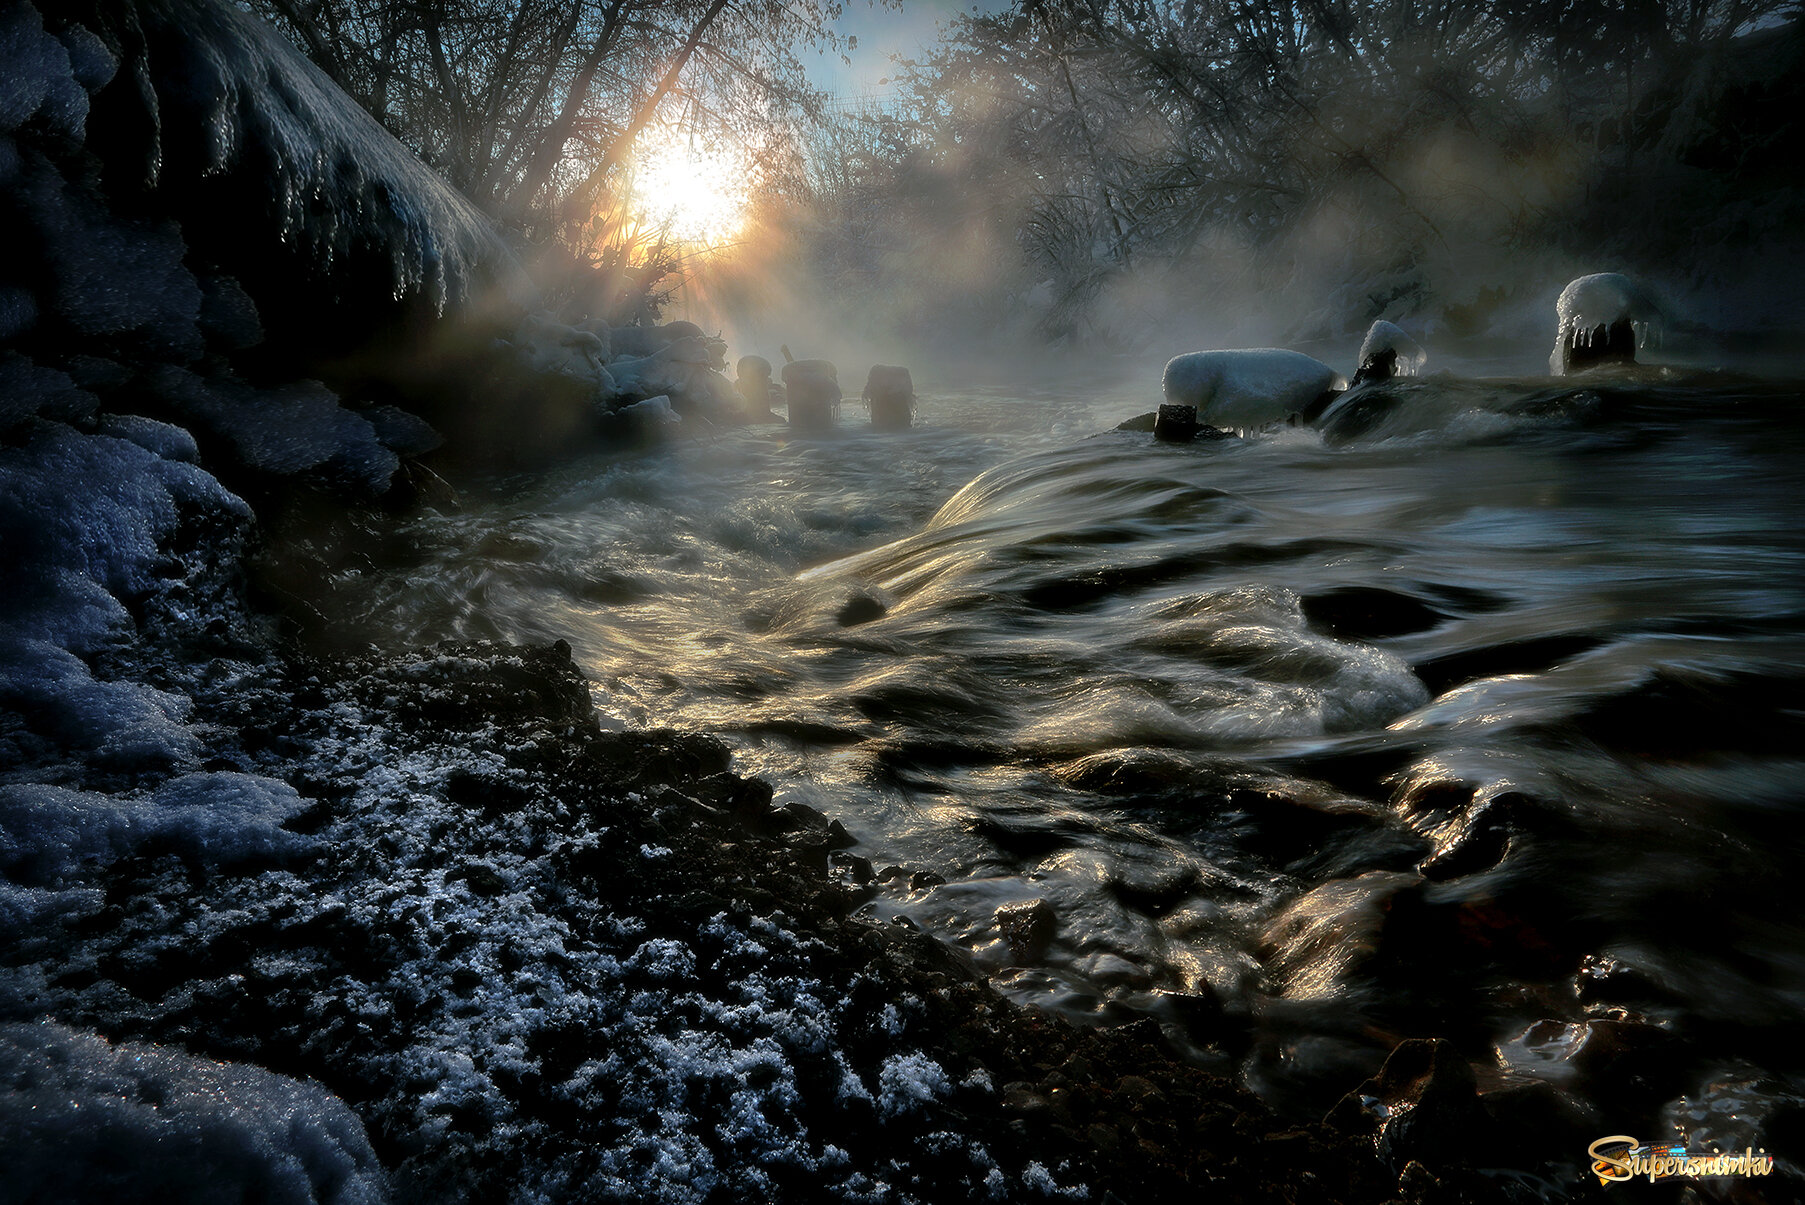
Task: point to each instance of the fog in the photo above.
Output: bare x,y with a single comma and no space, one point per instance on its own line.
1156,179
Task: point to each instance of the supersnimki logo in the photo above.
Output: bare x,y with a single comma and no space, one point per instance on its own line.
1621,1157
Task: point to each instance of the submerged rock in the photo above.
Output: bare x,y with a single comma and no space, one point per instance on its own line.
1028,928
1422,1106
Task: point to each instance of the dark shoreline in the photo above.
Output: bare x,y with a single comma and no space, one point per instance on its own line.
235,964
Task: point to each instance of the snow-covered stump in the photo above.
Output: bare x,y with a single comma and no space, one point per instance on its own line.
813,387
1248,387
1388,352
1602,319
890,395
1175,424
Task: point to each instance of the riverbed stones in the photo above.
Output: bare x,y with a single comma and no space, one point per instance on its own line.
1423,1104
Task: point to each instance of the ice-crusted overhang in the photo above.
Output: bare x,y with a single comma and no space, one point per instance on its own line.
275,175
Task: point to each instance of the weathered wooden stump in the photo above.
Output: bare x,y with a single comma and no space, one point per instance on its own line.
813,387
753,384
890,394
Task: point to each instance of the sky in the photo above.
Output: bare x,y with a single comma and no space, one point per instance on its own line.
883,32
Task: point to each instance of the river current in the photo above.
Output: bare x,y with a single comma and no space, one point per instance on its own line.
1472,711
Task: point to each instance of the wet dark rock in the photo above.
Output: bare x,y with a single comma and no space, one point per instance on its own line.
858,869
1154,891
1424,1104
1028,927
1380,366
862,606
1630,1062
1199,1009
1540,1118
1369,613
1347,416
1677,714
1022,841
1479,839
1512,657
1175,423
1607,978
1287,827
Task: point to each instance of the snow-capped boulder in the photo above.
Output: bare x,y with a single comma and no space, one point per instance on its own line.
1247,387
1388,352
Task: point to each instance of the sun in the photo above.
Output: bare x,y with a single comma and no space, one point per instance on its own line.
696,193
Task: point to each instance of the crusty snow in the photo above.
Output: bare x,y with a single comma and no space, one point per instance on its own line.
1246,387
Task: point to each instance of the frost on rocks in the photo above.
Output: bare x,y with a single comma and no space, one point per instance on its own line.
286,431
158,438
489,970
40,82
84,1120
93,526
908,1081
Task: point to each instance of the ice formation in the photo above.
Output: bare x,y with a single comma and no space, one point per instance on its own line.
1249,387
1607,315
237,115
1388,352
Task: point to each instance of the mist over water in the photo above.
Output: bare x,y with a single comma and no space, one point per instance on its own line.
1475,712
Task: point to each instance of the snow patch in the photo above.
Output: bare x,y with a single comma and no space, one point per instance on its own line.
84,1120
1247,387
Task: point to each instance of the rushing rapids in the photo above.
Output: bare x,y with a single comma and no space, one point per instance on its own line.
1472,712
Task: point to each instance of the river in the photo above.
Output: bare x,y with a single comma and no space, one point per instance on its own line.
1473,711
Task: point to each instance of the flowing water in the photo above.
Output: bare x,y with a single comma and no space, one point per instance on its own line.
1473,711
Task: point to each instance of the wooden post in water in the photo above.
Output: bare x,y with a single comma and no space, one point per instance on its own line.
754,387
890,394
814,391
